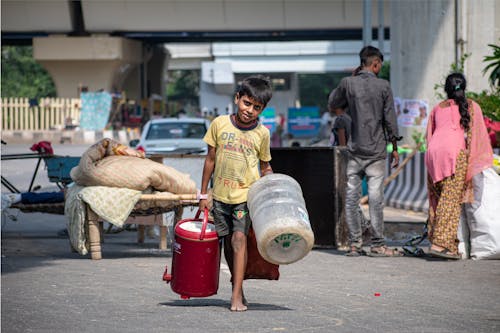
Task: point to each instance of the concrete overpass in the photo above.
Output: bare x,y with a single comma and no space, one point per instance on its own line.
114,44
188,20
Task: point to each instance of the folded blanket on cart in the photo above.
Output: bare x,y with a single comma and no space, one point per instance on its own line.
109,163
110,203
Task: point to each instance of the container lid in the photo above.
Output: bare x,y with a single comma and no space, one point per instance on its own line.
192,229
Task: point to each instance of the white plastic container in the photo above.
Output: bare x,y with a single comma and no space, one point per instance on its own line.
280,219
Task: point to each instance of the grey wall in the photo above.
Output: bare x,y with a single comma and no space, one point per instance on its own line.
423,45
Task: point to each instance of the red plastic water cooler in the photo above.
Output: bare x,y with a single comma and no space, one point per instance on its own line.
195,258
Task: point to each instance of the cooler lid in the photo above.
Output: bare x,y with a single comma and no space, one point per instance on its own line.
192,230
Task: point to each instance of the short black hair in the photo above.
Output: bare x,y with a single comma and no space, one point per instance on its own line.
368,54
257,87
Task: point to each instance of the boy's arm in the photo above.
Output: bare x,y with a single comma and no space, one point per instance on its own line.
342,136
265,168
208,169
340,126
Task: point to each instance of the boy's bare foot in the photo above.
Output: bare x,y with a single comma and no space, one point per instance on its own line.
238,306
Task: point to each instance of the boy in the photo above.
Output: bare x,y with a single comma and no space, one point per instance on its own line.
238,147
341,129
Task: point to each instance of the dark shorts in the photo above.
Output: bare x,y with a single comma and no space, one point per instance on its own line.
229,218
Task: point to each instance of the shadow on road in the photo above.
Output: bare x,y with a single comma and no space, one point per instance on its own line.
213,302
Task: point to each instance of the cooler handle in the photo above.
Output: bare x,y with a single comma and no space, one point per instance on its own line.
205,221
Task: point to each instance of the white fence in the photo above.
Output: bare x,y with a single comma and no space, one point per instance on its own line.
50,113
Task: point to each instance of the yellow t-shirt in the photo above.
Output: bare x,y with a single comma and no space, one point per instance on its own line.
238,154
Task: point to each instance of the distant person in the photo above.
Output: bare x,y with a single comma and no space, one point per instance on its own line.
325,125
204,112
277,135
370,104
276,140
458,148
341,133
341,128
238,155
181,113
210,115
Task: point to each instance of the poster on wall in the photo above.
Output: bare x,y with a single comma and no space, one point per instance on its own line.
96,107
268,119
304,121
411,112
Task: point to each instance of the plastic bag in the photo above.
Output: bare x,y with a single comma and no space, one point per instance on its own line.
483,216
257,267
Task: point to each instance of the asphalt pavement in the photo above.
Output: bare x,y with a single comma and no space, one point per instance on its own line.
47,288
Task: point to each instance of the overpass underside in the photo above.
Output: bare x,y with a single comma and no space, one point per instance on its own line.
116,45
121,36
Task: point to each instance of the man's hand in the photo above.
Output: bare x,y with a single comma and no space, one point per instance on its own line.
394,159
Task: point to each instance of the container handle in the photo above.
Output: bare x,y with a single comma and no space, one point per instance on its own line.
204,223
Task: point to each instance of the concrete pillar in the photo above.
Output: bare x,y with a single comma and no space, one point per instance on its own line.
157,67
424,45
481,22
152,75
94,62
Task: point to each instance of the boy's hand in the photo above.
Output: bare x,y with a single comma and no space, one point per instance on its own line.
203,203
265,168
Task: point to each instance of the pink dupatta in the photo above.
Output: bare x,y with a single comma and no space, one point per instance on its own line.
480,151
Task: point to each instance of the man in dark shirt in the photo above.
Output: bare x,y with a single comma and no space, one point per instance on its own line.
370,104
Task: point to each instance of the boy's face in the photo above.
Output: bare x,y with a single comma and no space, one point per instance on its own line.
338,111
248,109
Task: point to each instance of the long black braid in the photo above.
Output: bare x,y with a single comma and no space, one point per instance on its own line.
455,89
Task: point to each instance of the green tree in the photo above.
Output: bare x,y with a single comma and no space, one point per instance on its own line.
494,65
315,88
489,101
22,76
385,72
183,85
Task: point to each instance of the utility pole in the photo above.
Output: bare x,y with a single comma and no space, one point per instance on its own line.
381,25
367,22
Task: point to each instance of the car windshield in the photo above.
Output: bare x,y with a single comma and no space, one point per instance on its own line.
176,130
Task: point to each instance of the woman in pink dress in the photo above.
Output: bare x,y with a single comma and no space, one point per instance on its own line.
458,148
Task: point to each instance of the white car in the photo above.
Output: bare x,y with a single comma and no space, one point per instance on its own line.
174,136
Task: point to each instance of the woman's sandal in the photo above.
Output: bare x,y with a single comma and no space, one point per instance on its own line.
384,251
443,254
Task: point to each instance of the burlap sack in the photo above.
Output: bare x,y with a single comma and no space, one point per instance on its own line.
100,166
